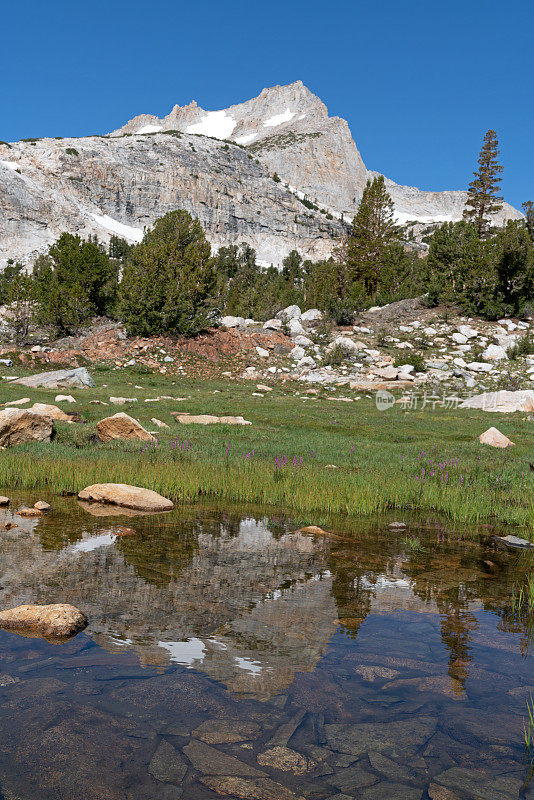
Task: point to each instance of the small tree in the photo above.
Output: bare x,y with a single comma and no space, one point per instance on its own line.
483,198
17,296
373,230
74,281
528,209
168,279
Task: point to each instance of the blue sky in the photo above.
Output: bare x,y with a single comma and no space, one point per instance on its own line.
411,77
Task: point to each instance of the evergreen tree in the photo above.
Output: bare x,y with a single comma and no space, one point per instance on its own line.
168,279
373,230
528,210
483,198
74,281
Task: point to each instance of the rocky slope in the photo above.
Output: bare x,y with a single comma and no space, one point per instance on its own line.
219,165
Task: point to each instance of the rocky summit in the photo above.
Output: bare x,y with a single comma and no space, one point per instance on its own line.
276,172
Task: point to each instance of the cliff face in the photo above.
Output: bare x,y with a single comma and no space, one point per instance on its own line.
219,165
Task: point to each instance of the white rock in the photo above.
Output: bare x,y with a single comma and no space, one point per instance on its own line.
303,341
459,338
406,369
479,366
468,331
295,328
502,402
272,370
405,346
233,322
306,363
311,315
64,398
459,362
405,329
494,352
262,352
346,344
430,331
121,401
297,353
291,312
272,325
416,324
36,348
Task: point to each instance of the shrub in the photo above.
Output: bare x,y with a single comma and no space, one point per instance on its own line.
71,151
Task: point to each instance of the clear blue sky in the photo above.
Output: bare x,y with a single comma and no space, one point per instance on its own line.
410,76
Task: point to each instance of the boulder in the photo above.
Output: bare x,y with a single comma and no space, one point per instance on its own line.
159,423
54,412
121,494
59,620
273,325
468,331
291,312
233,322
297,353
59,379
64,398
295,328
303,341
121,401
494,438
459,338
4,501
262,352
207,419
348,345
121,426
40,505
307,362
388,373
479,366
29,512
494,352
311,315
19,425
503,402
21,402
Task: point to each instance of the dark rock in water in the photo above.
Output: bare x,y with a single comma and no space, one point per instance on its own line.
220,731
352,778
515,542
389,768
391,791
167,764
436,792
286,760
396,738
261,789
8,680
284,733
479,785
210,761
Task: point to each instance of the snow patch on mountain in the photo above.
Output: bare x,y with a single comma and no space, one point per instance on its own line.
119,228
279,119
150,129
217,124
247,139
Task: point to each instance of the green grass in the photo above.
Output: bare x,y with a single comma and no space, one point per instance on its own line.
428,460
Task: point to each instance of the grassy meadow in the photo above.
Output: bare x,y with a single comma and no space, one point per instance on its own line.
309,454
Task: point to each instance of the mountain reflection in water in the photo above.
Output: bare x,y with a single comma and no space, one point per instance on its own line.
327,636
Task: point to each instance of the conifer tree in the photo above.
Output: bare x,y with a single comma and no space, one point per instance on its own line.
483,198
528,210
373,230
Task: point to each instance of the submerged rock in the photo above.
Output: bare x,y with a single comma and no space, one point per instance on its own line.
244,789
121,494
167,764
59,619
61,378
287,760
220,731
19,425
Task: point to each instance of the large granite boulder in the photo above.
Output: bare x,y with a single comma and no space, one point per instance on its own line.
122,426
55,412
503,401
121,494
60,619
19,425
59,379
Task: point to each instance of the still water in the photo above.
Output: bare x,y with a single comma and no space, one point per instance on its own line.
229,656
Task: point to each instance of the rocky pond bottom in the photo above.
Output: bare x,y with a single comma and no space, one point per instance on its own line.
229,656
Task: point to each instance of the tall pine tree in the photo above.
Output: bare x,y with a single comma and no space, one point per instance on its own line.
483,198
373,230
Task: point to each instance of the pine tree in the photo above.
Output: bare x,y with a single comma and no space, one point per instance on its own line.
373,231
528,210
483,198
